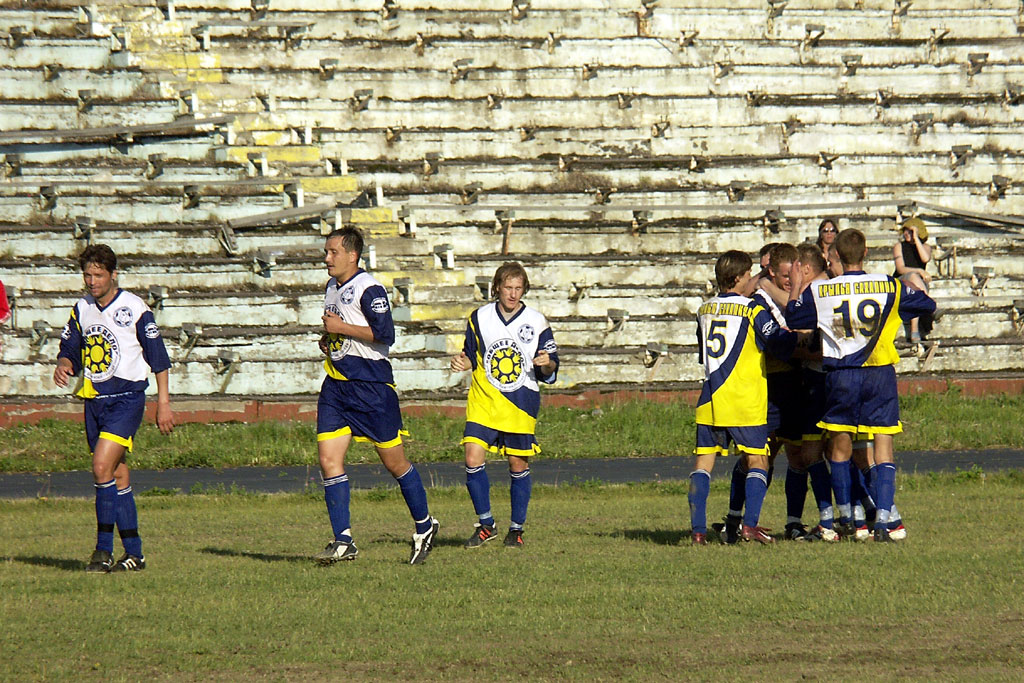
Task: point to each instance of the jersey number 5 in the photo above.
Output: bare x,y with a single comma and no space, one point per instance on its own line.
716,338
869,315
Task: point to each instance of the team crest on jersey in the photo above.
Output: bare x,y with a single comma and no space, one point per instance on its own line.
348,295
101,353
526,334
123,316
152,331
338,346
379,305
503,364
768,328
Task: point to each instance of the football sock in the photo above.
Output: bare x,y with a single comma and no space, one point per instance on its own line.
757,486
416,498
128,522
869,501
106,503
841,489
885,486
860,520
700,485
858,491
737,489
895,521
796,494
519,489
821,485
480,493
336,495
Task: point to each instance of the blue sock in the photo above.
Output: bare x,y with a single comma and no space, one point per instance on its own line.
336,495
757,486
416,498
519,489
841,489
106,504
480,493
700,485
737,489
821,485
128,522
858,488
796,494
885,486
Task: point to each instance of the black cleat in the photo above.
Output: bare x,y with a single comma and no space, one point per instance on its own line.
337,551
423,543
481,534
514,538
728,533
100,562
795,531
882,535
129,563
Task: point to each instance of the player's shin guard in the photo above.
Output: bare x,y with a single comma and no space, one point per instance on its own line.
757,487
479,487
128,522
519,490
841,489
737,489
895,520
106,505
821,485
885,486
700,485
796,494
416,498
336,495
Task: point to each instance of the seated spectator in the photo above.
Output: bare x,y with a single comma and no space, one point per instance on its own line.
911,256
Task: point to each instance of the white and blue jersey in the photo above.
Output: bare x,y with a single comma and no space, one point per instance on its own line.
115,345
504,394
361,301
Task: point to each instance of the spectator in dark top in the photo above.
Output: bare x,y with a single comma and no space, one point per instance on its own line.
827,231
911,255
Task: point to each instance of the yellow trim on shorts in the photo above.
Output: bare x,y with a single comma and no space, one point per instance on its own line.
861,430
752,451
127,443
816,436
883,430
710,450
397,441
327,436
504,450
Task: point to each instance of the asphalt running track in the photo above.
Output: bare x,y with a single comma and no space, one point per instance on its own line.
297,479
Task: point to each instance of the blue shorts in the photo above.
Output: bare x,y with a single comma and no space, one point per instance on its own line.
115,418
367,410
716,440
785,398
504,443
862,400
813,405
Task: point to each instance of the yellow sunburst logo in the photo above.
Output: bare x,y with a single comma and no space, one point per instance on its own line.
101,353
505,365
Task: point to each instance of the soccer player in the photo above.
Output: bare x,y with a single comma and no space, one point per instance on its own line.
510,349
858,315
733,335
113,337
358,398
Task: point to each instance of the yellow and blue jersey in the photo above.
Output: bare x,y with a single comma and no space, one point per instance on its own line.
115,345
362,301
859,316
733,335
773,364
504,392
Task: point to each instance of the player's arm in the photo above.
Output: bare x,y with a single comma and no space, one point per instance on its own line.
775,340
778,295
69,357
155,354
466,360
376,309
801,313
545,364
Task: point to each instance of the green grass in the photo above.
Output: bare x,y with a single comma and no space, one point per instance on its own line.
605,589
628,429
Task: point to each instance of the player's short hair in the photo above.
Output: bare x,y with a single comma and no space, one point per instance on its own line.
351,239
850,246
781,253
506,271
767,248
810,255
730,266
101,255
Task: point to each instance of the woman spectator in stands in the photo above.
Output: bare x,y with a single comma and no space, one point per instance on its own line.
827,231
911,255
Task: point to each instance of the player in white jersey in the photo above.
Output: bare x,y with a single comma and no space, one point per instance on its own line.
358,398
858,315
510,348
113,339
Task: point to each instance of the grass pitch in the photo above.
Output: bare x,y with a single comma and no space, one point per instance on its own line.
607,588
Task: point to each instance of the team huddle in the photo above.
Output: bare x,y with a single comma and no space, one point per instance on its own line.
796,359
802,361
